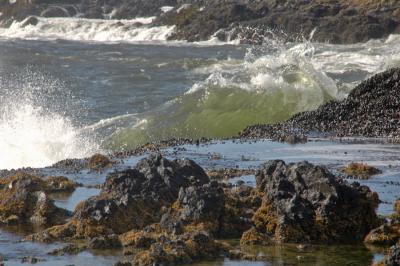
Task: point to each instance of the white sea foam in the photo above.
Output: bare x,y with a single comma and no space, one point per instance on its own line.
79,29
33,135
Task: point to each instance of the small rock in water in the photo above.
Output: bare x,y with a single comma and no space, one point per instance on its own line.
30,259
359,170
99,161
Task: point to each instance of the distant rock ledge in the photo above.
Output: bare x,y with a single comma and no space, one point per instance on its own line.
334,21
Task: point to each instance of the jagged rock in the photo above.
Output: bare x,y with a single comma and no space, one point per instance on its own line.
131,199
252,21
24,199
305,203
202,204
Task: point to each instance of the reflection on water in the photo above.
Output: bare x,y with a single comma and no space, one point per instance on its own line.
280,255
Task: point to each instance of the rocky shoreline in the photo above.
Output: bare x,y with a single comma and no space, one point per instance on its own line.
337,21
164,212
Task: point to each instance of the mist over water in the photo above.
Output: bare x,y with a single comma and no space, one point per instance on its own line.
65,99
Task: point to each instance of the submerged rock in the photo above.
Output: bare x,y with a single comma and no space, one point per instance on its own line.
303,203
24,199
70,249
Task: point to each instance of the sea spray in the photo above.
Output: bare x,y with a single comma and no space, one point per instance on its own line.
34,132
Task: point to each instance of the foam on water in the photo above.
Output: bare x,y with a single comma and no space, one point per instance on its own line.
32,134
80,29
270,84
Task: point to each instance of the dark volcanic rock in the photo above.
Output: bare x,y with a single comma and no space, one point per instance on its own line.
131,199
334,21
202,204
372,109
306,203
169,212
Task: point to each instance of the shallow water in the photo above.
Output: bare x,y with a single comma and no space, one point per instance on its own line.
332,153
66,92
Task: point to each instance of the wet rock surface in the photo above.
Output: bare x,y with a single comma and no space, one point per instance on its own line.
359,171
165,212
371,110
131,199
303,203
250,21
389,232
24,199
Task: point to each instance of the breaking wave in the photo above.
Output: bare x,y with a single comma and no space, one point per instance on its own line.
80,29
267,86
33,134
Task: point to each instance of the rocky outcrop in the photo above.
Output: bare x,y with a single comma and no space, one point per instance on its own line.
24,199
332,21
306,203
372,109
250,21
169,212
131,199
